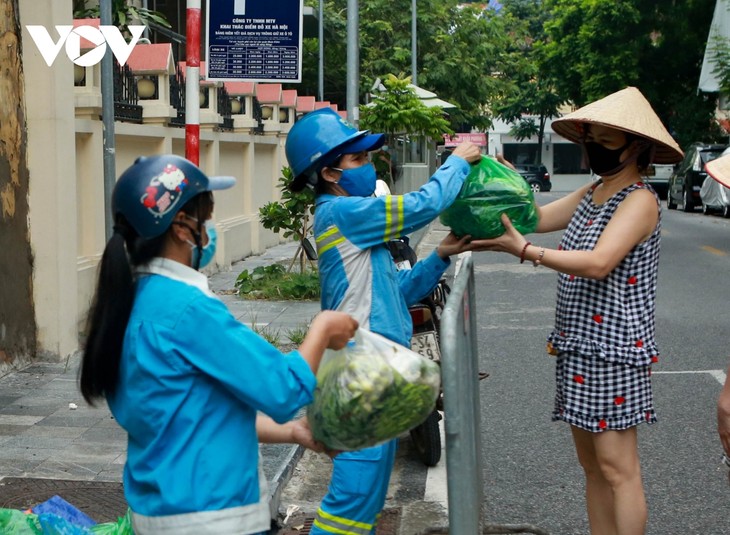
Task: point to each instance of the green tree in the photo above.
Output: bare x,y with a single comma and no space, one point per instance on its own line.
459,48
596,47
397,110
291,215
124,13
530,96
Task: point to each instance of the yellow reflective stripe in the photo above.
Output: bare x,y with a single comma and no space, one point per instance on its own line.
338,524
393,216
388,217
328,239
331,529
400,216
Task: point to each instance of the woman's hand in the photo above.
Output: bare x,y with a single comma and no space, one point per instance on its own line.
329,330
302,434
338,326
452,245
510,242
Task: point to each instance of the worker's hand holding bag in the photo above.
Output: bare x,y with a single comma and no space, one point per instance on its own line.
370,392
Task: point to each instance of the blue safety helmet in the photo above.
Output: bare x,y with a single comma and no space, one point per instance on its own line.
318,139
155,188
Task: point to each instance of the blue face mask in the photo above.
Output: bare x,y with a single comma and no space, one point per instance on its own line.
358,181
208,250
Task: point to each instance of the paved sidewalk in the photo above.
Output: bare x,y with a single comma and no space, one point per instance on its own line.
47,431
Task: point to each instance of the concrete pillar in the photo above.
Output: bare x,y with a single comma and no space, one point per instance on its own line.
52,168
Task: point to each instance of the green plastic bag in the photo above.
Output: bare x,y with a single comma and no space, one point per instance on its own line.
15,522
370,392
123,526
490,190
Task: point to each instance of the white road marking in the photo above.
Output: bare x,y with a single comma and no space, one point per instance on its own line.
436,487
717,374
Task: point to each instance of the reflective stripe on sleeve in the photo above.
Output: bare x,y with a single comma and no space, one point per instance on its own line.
342,526
330,238
393,217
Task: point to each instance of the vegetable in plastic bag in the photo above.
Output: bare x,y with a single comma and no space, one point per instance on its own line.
490,190
370,392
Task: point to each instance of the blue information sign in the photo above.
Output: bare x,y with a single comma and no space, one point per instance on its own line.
254,40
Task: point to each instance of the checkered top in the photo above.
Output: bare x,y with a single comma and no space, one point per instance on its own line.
612,318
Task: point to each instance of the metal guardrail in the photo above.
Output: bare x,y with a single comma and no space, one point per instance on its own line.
462,413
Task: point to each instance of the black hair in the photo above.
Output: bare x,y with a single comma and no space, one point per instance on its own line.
321,185
114,298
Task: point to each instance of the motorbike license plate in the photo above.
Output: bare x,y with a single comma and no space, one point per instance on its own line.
426,345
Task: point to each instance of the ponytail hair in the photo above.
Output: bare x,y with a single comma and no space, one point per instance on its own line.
109,314
114,297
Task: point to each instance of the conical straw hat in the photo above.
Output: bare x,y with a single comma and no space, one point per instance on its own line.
719,169
625,110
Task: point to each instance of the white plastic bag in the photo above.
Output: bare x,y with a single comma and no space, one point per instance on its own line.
370,392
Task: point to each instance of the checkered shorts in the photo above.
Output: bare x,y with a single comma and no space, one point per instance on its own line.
597,395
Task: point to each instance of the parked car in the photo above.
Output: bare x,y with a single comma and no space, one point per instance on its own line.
536,175
715,197
686,182
657,175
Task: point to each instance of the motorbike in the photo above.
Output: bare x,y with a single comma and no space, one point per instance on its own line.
426,318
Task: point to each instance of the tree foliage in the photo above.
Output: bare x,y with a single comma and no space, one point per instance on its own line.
600,46
124,13
291,214
458,48
397,110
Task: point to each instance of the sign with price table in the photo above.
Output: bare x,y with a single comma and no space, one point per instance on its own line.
254,40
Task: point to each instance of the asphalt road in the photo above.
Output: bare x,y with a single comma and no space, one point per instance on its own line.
530,470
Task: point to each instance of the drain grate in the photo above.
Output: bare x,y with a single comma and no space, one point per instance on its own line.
301,523
102,501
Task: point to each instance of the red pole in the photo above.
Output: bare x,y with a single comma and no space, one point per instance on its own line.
192,82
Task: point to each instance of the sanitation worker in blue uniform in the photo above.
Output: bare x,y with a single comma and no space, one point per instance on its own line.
194,389
358,276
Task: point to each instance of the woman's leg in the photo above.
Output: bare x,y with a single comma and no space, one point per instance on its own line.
613,476
599,497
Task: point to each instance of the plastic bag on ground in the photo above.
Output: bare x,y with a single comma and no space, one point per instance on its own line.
370,392
490,190
60,507
123,526
15,522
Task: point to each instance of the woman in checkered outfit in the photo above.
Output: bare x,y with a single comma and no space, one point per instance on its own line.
604,319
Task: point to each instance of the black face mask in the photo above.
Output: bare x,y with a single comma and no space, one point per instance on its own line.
605,161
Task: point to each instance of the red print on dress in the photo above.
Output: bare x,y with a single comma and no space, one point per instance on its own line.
632,280
619,400
598,318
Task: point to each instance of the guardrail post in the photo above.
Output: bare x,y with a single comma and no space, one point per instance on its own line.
459,376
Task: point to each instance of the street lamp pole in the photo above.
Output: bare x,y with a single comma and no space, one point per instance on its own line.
107,117
353,60
414,62
320,92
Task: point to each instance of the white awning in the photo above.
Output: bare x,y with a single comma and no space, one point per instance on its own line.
429,98
720,28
